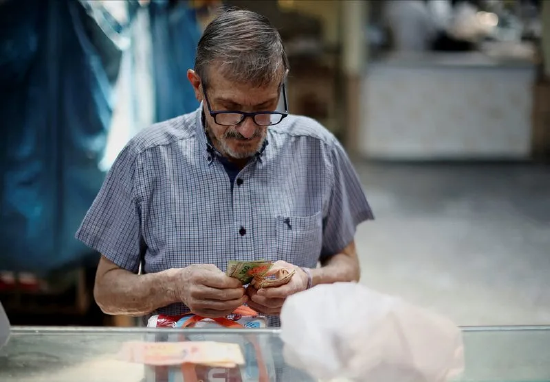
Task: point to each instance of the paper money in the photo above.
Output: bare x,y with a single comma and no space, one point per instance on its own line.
216,354
281,277
231,265
246,271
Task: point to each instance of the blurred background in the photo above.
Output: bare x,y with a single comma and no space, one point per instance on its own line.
443,105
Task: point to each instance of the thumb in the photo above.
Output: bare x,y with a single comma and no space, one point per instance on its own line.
277,267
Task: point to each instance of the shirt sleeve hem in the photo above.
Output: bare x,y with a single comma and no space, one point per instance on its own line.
96,244
342,243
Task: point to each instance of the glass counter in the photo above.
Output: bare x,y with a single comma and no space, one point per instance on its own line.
59,354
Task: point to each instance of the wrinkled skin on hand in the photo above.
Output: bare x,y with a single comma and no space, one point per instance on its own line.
270,300
209,292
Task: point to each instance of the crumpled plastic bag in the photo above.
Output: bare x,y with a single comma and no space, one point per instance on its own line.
346,330
4,327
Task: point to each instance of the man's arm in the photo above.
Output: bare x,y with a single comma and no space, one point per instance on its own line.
205,289
341,267
121,292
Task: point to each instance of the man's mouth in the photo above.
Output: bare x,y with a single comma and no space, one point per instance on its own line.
245,139
240,137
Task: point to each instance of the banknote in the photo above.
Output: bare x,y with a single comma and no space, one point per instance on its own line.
175,353
232,264
281,277
245,271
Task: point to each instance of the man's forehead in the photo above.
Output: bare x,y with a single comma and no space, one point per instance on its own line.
221,81
242,94
226,84
220,90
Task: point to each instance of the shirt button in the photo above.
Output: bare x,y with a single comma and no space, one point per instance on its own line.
242,231
239,182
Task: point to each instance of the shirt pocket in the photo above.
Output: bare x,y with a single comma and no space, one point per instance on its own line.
299,239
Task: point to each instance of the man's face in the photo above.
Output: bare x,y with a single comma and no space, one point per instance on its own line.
246,139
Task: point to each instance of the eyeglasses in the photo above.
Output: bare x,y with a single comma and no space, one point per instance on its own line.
260,118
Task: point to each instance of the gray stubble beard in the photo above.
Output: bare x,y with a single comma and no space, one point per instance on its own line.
227,151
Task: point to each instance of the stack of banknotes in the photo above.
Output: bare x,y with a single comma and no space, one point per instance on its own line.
259,273
246,271
207,353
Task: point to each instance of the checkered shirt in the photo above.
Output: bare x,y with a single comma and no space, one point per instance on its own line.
167,201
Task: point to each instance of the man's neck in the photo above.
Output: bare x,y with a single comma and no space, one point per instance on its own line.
240,163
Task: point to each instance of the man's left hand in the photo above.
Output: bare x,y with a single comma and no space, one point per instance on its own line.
270,300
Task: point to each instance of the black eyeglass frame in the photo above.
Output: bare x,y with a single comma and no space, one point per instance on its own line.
245,115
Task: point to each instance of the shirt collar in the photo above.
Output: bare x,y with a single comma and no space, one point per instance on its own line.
207,148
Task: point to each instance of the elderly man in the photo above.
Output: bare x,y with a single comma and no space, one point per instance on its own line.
234,180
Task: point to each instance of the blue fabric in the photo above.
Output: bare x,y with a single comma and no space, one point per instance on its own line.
175,34
231,169
56,108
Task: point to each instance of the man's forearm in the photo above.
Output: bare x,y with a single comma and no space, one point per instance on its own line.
123,293
342,267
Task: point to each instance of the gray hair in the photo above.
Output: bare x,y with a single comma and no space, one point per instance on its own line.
246,47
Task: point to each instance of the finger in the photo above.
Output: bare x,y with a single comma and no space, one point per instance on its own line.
257,307
282,291
217,279
268,302
251,291
202,292
263,309
277,266
282,264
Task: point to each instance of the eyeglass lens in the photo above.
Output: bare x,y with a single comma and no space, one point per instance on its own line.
231,119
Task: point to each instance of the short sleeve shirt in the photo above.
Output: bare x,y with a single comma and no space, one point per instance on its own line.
168,202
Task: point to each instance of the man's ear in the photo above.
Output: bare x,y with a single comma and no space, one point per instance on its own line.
195,81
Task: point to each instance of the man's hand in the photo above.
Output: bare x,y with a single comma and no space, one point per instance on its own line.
270,300
209,292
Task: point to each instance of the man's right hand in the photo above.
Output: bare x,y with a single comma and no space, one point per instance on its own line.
209,292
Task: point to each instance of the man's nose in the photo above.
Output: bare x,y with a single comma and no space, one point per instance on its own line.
247,128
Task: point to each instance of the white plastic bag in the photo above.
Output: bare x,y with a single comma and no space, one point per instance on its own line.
346,330
4,327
